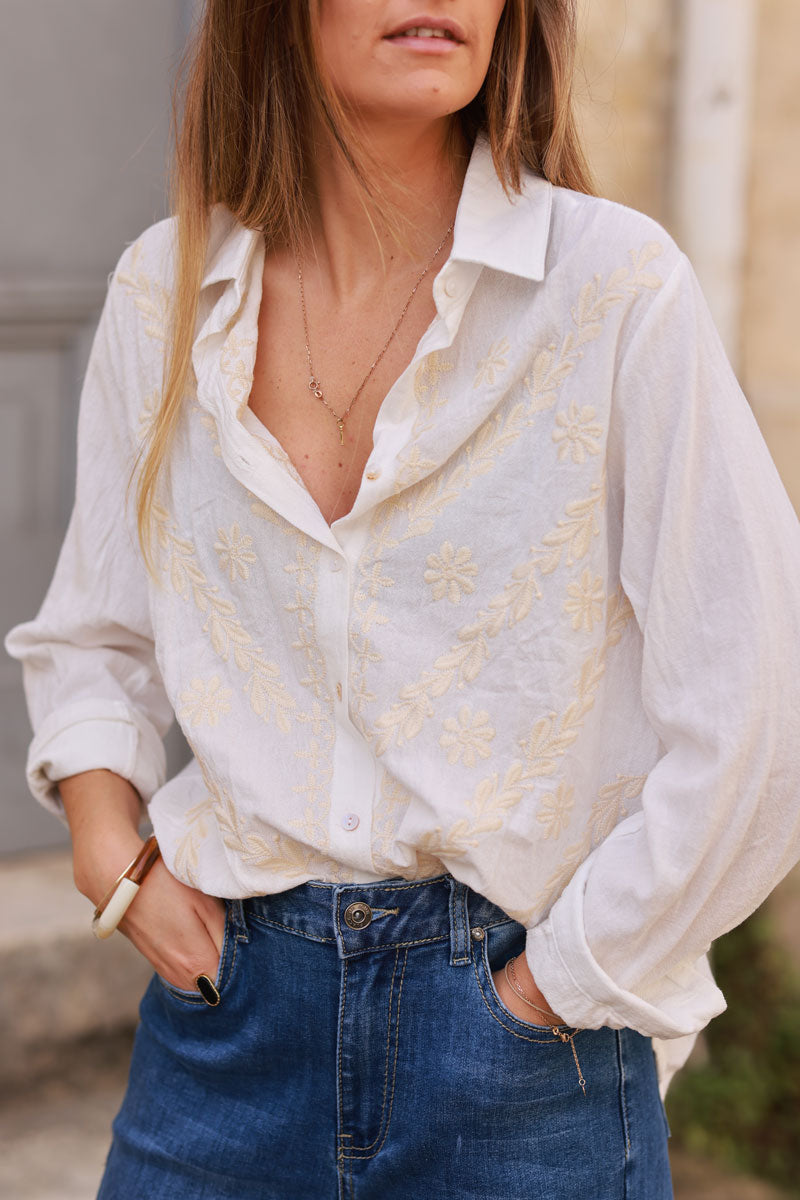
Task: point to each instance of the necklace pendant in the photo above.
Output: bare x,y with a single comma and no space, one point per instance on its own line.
340,423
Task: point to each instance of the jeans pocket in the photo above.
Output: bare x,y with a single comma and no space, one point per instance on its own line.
225,968
499,943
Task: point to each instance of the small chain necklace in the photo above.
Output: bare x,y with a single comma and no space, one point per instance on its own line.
313,381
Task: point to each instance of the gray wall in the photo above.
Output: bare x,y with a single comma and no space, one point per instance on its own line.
84,119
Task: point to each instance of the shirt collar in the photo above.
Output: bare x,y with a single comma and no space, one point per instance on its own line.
505,233
230,249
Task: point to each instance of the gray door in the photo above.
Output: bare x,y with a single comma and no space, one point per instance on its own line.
84,116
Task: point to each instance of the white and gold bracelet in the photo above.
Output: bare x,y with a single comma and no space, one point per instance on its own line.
120,896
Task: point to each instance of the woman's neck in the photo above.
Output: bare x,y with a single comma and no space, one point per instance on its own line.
421,179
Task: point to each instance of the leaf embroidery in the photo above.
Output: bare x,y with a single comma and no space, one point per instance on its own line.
231,641
150,296
464,661
494,796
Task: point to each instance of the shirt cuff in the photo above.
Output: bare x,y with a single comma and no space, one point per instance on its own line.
584,995
95,735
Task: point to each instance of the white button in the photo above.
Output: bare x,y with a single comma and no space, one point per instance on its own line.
451,288
373,473
338,691
350,821
336,565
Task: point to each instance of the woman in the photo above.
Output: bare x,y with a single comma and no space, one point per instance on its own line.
466,571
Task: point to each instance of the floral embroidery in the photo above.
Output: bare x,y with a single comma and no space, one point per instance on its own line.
148,414
236,367
465,660
550,738
585,601
451,572
422,506
187,853
486,810
493,364
607,811
555,810
205,701
467,736
553,365
151,298
386,820
235,555
229,639
210,426
577,433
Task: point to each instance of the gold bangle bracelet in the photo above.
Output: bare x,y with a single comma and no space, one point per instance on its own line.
121,894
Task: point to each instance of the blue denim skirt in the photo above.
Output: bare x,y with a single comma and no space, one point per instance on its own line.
360,1052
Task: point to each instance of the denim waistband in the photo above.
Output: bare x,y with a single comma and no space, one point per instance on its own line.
361,917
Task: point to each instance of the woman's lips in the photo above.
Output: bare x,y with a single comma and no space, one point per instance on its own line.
425,45
432,35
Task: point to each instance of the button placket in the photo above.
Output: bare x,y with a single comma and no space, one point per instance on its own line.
352,782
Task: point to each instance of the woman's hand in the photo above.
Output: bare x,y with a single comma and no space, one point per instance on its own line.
178,929
512,1000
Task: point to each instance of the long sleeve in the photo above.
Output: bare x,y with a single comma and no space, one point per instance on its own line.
92,684
710,560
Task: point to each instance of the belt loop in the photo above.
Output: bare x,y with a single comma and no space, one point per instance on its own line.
236,910
459,924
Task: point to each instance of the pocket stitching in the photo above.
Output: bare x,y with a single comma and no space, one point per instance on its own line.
194,999
549,1041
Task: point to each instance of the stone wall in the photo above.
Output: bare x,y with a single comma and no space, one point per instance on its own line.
628,70
770,335
624,93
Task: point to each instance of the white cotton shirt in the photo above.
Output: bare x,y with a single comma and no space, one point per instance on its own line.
553,649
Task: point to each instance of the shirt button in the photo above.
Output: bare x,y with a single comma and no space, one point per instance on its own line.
350,821
336,565
373,473
451,288
338,691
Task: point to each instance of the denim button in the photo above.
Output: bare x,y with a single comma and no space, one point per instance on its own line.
358,915
478,933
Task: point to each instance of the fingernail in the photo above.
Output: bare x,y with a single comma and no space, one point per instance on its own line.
208,990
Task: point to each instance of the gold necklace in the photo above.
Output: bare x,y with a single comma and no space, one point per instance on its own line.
313,381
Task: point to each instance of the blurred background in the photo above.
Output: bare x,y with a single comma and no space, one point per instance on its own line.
691,112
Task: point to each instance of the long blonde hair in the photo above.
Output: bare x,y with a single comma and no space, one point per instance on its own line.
253,90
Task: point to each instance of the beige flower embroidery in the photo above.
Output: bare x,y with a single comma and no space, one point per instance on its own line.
451,572
495,362
576,433
204,702
555,810
585,601
234,552
467,736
